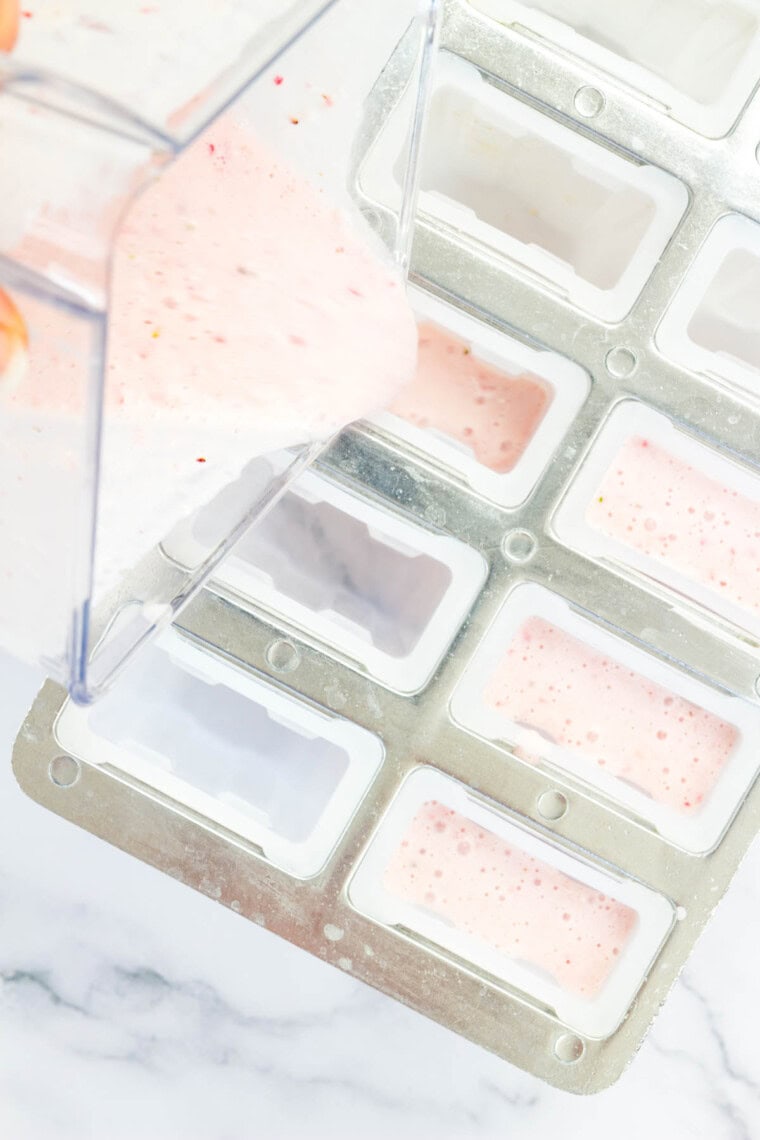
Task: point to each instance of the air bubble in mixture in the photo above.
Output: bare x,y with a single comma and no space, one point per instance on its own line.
611,715
491,412
662,506
517,904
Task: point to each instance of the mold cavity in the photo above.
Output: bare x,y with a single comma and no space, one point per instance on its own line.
492,414
711,323
573,212
461,875
453,867
222,743
231,748
388,593
324,559
684,512
694,45
550,683
484,406
379,588
725,320
568,694
532,189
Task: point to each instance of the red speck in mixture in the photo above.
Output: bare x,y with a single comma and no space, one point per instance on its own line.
211,148
294,120
200,459
328,101
278,79
26,13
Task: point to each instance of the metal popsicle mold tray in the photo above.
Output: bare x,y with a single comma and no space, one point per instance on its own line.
484,736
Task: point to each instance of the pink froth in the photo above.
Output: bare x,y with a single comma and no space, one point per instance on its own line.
494,413
660,505
616,718
511,901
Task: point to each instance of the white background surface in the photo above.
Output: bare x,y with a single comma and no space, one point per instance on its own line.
132,1008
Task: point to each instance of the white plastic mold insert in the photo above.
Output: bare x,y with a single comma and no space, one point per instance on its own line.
586,221
566,693
699,59
651,498
484,405
233,749
451,868
385,593
712,325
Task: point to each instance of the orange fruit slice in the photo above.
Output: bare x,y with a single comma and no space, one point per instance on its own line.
9,15
14,338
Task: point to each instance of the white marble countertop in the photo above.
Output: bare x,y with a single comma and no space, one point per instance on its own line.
132,1007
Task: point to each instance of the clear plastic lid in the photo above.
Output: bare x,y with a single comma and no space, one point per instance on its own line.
186,285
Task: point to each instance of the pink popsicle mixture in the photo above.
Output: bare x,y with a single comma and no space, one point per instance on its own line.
239,293
511,901
663,507
248,314
494,413
619,720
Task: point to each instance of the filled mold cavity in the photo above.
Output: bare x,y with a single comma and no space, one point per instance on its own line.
700,58
588,222
569,694
232,748
711,326
658,501
384,592
475,401
484,405
449,868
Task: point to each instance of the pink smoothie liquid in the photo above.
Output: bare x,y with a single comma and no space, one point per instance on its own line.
660,505
495,414
617,719
509,900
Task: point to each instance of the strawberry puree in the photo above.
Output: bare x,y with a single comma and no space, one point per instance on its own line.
599,709
660,505
238,293
510,900
492,412
247,315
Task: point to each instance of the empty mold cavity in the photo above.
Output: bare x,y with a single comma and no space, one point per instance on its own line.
231,748
699,58
564,692
484,405
711,325
656,500
586,221
450,868
386,593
